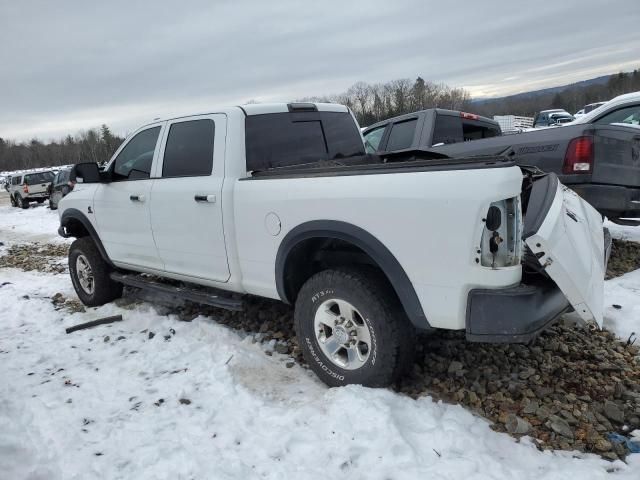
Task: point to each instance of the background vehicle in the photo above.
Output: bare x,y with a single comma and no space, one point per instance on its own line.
588,108
560,118
281,201
547,118
597,155
426,128
29,187
60,186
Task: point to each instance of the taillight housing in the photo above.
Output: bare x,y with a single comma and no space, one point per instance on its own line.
579,156
25,188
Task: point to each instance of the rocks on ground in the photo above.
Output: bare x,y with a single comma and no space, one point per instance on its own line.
48,258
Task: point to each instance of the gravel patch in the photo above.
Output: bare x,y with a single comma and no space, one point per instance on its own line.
625,257
47,257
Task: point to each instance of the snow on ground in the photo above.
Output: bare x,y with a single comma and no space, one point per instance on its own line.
84,406
35,224
624,293
623,232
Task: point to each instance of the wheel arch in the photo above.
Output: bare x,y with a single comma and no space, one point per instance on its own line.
74,223
308,239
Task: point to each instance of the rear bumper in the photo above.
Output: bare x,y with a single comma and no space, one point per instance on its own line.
610,200
517,314
514,314
36,196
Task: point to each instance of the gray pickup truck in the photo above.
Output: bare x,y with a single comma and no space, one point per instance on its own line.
597,156
427,128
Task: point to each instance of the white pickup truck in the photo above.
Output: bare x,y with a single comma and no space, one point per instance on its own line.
281,201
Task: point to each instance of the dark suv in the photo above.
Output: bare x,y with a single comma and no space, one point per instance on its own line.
61,185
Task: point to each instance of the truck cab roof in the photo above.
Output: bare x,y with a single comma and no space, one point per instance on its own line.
260,109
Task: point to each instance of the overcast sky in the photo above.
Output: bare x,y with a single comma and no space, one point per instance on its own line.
71,65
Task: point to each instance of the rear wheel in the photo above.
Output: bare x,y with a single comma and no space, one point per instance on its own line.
13,201
90,274
23,202
351,329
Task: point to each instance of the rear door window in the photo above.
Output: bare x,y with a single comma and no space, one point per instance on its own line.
372,139
401,135
189,149
134,161
285,139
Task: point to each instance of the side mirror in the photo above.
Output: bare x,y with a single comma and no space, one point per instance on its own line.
87,173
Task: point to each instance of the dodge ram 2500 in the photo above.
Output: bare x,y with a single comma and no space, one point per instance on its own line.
282,201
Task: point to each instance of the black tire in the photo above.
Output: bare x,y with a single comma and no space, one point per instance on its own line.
41,200
23,202
13,201
104,289
392,336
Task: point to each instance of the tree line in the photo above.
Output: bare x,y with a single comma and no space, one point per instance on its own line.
95,144
369,102
372,103
572,98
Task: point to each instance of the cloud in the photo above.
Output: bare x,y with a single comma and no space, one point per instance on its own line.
74,65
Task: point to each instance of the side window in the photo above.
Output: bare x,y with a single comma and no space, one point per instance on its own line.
401,135
57,179
372,139
189,149
629,115
276,140
134,161
448,129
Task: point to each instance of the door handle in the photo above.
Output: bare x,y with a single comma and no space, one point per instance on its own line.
205,198
136,198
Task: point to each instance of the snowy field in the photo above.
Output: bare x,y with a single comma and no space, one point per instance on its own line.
152,397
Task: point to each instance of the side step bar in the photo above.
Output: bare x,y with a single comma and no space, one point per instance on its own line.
186,293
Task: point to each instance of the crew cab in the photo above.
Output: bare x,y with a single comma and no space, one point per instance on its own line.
425,128
29,187
281,201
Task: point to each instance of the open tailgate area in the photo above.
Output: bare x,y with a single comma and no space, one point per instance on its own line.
566,236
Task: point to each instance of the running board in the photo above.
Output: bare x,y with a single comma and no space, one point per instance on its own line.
186,293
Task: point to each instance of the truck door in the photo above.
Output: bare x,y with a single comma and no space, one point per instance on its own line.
121,207
186,198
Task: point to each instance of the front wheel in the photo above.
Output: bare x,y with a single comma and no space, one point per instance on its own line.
90,274
351,330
